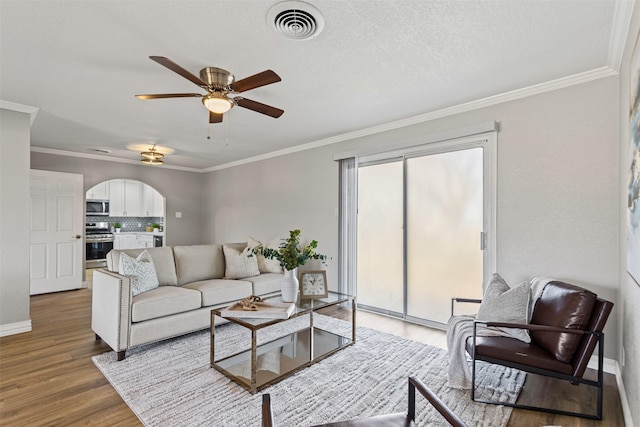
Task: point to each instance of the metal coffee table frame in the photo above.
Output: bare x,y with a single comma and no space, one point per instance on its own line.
303,307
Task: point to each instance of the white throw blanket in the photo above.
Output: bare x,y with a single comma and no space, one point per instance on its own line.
460,328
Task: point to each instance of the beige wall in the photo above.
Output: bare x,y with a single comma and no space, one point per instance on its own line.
182,190
14,221
629,332
558,181
267,199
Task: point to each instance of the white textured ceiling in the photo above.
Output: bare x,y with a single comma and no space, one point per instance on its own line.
82,62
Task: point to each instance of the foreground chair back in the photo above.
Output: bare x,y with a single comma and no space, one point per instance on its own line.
565,328
400,419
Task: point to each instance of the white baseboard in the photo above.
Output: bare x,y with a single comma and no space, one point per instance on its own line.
611,366
626,411
15,328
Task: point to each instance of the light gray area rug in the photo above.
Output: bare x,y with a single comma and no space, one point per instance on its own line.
171,384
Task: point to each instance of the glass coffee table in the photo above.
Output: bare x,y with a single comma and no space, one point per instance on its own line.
295,343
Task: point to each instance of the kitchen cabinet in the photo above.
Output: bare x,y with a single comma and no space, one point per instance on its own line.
132,241
116,197
125,196
125,241
153,203
129,198
99,191
144,240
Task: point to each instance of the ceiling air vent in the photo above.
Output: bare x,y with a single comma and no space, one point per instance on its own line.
296,20
99,150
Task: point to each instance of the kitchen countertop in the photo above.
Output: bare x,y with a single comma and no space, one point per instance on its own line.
147,233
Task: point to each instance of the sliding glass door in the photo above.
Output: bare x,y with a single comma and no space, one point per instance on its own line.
421,232
444,222
380,237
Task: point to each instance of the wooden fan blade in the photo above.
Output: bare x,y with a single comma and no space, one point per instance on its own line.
259,107
261,79
215,118
166,62
169,95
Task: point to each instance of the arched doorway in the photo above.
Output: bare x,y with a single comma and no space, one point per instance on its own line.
132,216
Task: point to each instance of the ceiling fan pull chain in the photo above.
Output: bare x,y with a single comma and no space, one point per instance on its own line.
226,122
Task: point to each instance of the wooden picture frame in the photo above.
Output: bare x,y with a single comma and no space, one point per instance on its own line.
313,284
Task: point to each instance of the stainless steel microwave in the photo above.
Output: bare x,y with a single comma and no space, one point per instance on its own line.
97,207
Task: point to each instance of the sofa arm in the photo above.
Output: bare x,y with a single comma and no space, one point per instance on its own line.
111,309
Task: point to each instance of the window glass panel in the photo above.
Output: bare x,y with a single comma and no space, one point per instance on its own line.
444,222
380,236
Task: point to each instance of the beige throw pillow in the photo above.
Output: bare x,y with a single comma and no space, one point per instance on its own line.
140,271
501,303
266,265
239,265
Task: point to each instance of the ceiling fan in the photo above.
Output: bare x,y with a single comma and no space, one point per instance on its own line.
219,84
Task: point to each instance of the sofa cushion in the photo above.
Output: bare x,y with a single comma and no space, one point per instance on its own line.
266,265
220,291
140,271
500,303
164,301
198,262
162,259
266,283
238,264
565,306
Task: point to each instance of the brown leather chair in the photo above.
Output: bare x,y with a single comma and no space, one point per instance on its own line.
565,327
400,419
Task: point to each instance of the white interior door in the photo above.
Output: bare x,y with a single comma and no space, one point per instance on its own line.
57,221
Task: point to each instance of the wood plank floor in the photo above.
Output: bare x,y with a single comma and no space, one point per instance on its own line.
47,377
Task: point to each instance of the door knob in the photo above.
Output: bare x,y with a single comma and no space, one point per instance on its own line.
78,236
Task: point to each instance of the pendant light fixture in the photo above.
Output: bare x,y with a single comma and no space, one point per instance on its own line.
152,157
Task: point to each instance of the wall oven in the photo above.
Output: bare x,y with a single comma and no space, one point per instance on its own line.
97,207
98,241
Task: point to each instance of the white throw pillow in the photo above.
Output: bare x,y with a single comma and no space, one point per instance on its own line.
141,272
239,265
501,303
266,265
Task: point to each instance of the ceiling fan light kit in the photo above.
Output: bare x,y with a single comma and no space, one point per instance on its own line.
216,102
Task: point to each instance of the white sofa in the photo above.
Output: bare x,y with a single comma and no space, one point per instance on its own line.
191,283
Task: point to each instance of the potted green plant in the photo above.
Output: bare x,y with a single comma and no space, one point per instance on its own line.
156,227
117,226
291,255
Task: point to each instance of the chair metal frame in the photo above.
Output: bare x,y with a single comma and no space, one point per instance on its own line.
414,383
575,380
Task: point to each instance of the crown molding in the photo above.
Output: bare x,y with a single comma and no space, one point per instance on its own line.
108,159
21,108
513,95
622,14
541,88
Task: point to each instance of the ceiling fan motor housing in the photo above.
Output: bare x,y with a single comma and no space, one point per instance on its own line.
217,78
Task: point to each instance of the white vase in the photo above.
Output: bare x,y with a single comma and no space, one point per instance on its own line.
290,286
